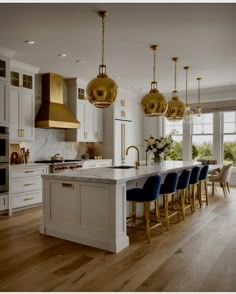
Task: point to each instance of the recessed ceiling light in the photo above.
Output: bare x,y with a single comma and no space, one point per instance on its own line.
118,78
79,61
30,42
62,55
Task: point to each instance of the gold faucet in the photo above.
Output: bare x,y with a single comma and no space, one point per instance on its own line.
137,163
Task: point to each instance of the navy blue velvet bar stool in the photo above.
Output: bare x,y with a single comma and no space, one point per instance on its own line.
168,188
145,195
203,179
182,186
193,185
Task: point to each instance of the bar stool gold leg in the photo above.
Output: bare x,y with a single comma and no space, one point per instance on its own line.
147,220
166,211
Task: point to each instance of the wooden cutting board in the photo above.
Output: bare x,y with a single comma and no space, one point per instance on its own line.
15,154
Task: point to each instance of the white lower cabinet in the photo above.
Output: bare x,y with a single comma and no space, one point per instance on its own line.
83,213
26,185
4,201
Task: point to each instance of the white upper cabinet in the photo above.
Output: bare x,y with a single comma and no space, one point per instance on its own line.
22,101
4,104
4,86
4,68
90,117
123,109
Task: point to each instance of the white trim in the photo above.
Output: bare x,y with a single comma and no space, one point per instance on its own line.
23,66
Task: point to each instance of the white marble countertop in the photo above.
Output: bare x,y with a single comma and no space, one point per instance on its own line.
111,175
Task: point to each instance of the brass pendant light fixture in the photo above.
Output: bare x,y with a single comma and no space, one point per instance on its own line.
102,90
188,113
176,108
154,103
199,107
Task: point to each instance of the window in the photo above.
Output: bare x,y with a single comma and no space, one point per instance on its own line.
202,137
229,137
177,128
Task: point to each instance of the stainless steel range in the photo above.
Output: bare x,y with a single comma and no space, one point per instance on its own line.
57,166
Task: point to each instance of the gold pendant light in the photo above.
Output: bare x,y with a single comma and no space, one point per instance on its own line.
102,90
188,118
176,108
199,107
154,103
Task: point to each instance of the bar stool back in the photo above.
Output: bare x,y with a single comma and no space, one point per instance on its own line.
193,185
203,179
182,186
145,195
169,188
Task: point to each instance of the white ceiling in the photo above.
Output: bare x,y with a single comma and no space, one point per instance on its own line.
203,36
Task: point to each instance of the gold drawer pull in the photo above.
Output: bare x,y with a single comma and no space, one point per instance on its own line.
29,171
30,198
122,113
28,184
66,185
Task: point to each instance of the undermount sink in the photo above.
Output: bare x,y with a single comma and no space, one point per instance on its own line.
123,166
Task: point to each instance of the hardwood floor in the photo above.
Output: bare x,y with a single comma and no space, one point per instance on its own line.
197,254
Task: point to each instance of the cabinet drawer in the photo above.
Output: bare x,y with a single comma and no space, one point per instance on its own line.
22,173
3,202
25,199
26,184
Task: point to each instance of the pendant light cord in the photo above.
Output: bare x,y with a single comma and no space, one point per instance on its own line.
175,75
103,38
186,68
154,65
198,90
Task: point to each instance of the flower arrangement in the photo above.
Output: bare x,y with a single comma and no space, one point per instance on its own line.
159,146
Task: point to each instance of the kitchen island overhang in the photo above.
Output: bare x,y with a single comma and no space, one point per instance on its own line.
89,206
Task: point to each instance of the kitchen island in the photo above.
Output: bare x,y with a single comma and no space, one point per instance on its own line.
89,206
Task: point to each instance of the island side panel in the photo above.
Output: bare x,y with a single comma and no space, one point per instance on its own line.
93,214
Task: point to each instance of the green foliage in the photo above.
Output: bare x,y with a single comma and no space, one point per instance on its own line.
175,151
205,151
194,151
230,152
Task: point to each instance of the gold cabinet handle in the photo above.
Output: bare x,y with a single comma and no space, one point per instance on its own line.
67,185
29,171
122,113
27,185
122,102
27,199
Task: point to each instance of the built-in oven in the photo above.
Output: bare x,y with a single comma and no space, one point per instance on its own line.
4,145
4,177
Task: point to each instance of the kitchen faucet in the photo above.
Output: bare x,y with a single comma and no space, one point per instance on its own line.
137,163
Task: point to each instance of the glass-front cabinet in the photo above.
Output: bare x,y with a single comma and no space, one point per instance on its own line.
22,79
4,68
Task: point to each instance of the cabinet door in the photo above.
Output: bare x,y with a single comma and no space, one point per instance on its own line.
4,104
20,79
14,114
88,122
98,124
4,69
80,117
62,206
27,115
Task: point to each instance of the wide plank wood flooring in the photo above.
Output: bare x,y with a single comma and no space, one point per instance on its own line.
198,254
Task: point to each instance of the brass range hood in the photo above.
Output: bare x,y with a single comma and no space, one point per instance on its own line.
53,113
